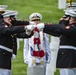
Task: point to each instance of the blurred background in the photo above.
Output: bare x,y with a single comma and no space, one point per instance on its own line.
50,12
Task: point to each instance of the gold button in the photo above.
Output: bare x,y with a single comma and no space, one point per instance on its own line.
3,53
62,53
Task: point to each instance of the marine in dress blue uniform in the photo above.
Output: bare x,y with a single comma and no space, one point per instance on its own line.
66,57
6,43
16,22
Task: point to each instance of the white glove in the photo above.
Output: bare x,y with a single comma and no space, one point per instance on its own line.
40,26
30,27
28,32
13,56
25,61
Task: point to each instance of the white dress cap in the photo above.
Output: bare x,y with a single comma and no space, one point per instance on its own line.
9,13
35,16
12,12
73,14
3,7
70,12
67,11
73,4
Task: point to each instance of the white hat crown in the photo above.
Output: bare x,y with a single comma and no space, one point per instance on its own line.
70,12
73,14
35,15
73,4
9,13
3,7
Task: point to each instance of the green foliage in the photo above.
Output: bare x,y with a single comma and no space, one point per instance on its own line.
49,10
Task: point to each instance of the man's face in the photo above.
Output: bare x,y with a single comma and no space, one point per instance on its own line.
64,20
71,20
13,18
7,20
67,18
37,21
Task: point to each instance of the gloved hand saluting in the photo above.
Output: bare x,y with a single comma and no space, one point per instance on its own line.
40,26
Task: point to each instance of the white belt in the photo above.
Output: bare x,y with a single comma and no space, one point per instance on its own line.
6,48
68,47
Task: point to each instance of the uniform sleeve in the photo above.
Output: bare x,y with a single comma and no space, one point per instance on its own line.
19,22
24,35
52,29
15,46
60,29
13,30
